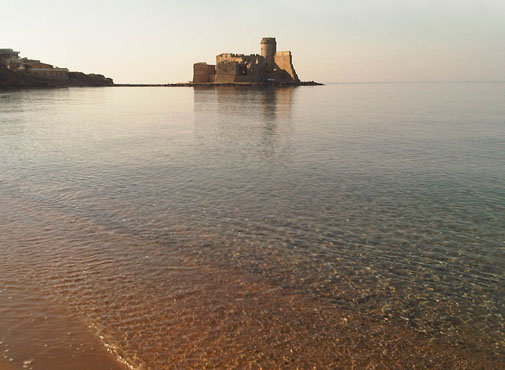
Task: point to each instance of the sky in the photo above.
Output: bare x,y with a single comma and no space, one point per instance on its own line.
156,41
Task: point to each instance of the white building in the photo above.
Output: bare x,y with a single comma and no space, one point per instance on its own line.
9,57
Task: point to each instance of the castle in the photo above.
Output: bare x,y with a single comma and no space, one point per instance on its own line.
270,66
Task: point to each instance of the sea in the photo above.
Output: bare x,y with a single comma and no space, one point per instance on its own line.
357,225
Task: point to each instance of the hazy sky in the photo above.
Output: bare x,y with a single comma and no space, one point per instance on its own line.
156,41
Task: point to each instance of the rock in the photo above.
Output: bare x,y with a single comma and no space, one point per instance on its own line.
82,79
10,79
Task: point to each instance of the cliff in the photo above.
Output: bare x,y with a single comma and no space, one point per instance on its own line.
10,79
19,80
92,79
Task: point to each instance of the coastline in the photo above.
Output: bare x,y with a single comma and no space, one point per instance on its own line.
16,79
181,84
226,84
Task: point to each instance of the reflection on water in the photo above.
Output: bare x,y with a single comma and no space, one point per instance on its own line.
347,225
264,128
275,103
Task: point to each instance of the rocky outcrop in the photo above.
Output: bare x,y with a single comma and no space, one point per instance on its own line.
22,80
82,79
10,79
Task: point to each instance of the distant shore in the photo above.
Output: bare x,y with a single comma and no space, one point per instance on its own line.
49,77
24,80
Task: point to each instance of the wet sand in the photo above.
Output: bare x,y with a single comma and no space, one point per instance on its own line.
38,332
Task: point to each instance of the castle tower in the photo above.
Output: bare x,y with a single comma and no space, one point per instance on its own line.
268,50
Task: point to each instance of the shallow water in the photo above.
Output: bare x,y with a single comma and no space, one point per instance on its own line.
344,225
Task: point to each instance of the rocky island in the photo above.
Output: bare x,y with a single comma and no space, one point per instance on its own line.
23,73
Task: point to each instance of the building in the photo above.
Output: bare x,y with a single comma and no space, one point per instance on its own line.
36,68
34,63
52,73
9,58
270,66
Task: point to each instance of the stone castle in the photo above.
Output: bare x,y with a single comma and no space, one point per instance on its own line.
270,66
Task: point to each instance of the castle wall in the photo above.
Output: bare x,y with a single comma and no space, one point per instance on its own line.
284,62
226,71
239,68
203,72
255,65
230,57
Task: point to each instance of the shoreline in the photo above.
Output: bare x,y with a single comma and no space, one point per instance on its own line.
226,84
180,84
253,302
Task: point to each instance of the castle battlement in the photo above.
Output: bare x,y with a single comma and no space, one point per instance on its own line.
282,53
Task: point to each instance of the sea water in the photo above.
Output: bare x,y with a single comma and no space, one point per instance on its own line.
339,225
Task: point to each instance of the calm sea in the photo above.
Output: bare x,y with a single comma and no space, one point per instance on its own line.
337,226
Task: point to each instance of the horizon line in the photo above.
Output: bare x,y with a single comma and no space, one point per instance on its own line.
407,81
